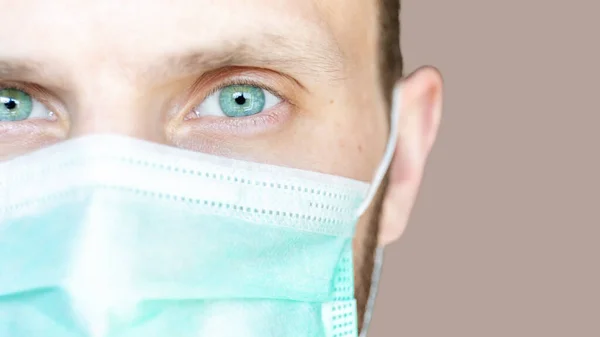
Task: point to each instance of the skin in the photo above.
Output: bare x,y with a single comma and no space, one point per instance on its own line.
139,68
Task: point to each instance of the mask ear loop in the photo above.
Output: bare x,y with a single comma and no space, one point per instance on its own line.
373,291
389,151
378,178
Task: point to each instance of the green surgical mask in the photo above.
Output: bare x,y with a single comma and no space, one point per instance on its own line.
112,236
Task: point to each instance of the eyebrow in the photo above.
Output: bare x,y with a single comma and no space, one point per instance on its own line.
295,56
19,69
317,58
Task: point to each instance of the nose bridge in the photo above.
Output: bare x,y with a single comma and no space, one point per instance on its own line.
110,105
113,119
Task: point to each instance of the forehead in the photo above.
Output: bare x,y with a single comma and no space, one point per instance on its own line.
71,29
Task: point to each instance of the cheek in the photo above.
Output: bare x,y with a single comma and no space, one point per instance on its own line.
346,139
330,139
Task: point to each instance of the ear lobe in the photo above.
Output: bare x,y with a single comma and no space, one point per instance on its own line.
419,123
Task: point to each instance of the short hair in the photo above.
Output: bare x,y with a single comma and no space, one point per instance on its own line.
390,56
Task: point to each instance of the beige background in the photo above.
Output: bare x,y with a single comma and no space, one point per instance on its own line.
505,236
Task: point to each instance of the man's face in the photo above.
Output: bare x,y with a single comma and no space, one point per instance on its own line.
172,72
160,71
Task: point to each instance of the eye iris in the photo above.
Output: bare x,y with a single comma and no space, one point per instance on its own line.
15,105
241,100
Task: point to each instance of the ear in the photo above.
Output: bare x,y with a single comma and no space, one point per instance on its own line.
420,114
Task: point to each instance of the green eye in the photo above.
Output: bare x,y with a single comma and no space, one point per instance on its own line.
241,100
15,105
235,101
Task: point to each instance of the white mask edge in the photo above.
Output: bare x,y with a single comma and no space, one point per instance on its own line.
378,178
389,151
376,276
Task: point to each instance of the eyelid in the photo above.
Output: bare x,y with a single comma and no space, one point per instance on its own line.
232,81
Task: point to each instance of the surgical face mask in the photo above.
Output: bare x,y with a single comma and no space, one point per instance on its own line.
110,236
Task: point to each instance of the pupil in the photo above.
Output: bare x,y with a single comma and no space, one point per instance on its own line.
240,99
11,104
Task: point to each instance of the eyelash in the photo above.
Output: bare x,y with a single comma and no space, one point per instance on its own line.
241,81
18,86
34,91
